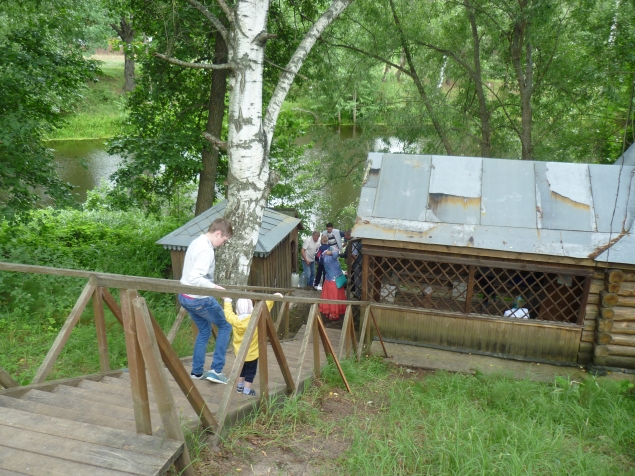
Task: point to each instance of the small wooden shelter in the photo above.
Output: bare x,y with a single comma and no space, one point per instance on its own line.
275,256
527,260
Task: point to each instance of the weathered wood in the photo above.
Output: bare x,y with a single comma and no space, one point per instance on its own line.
611,287
624,313
603,325
17,392
161,390
626,301
586,347
606,312
281,315
615,275
6,381
629,276
112,305
623,339
608,299
597,285
587,336
365,276
584,358
623,327
328,349
317,367
177,324
589,324
594,298
591,311
362,332
64,334
627,289
598,275
601,351
313,314
602,338
237,367
620,361
276,347
263,361
345,339
136,366
621,350
381,341
100,329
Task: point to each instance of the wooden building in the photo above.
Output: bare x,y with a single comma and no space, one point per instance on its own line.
526,260
275,256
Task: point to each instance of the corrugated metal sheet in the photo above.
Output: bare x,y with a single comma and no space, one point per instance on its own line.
549,208
274,228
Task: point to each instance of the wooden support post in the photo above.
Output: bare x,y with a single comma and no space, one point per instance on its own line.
112,304
365,274
305,342
237,367
263,364
100,329
277,350
160,385
6,381
136,366
345,338
317,370
64,334
470,290
362,333
351,323
177,324
585,298
286,321
372,315
328,350
284,309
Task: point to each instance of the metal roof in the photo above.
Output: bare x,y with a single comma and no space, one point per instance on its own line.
274,228
550,208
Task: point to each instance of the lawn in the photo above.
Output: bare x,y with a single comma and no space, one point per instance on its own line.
408,421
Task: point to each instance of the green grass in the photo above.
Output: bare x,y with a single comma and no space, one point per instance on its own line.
458,424
100,113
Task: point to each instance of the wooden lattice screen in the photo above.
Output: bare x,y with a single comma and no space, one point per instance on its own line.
502,289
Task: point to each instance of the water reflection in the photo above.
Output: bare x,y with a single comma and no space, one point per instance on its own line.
84,164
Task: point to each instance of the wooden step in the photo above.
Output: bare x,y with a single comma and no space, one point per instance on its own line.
76,415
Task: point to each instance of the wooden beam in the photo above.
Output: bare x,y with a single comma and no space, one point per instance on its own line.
100,329
136,366
112,304
277,351
177,324
64,334
317,368
372,315
345,337
263,361
305,342
160,386
362,333
328,349
6,381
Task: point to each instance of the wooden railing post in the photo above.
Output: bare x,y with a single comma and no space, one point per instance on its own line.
313,314
160,386
277,350
136,366
6,381
100,330
263,364
345,337
177,324
362,333
317,368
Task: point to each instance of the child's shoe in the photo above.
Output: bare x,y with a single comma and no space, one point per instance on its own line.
249,392
240,388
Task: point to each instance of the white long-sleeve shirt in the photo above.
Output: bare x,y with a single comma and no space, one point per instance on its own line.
199,265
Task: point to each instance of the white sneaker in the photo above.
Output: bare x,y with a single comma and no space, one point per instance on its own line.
318,287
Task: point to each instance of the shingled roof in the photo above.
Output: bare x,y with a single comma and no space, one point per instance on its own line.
549,208
275,227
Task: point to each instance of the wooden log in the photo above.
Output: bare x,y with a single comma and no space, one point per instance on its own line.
177,324
600,351
591,311
597,285
603,325
620,361
623,327
606,312
64,334
587,336
584,358
614,275
608,299
263,361
623,350
623,339
586,347
160,387
627,289
624,313
602,338
611,287
599,361
589,324
629,276
100,329
593,298
598,275
6,381
626,301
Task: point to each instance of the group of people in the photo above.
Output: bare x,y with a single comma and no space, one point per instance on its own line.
320,253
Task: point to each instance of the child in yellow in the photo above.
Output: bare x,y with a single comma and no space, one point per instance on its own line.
240,321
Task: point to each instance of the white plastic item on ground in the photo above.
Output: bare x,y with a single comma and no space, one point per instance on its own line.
295,280
520,313
387,292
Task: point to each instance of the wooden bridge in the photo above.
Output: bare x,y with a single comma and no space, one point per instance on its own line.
114,423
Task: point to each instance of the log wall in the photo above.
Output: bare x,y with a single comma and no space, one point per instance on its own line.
614,330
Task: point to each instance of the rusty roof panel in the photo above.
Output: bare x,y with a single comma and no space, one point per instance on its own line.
403,187
508,193
454,195
564,196
605,182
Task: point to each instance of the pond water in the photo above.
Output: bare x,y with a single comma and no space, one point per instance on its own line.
85,163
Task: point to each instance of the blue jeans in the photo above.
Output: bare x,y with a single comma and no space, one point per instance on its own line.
205,312
308,270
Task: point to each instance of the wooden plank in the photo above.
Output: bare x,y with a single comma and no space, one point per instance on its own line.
328,349
100,329
317,368
6,381
622,327
95,456
64,334
34,464
136,366
621,350
313,312
372,316
162,393
112,304
345,337
95,397
177,324
362,333
627,289
278,351
263,363
624,313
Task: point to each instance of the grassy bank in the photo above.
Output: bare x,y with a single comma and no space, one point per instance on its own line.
398,421
100,114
